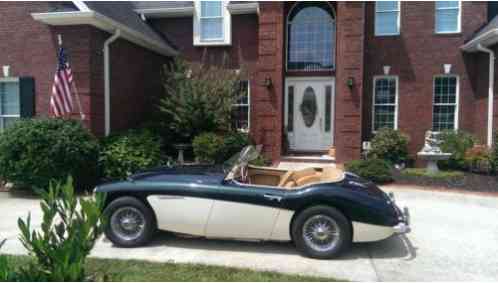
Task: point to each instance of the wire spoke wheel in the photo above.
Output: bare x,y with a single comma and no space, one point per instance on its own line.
128,223
321,233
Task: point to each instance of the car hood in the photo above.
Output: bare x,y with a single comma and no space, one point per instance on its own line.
181,174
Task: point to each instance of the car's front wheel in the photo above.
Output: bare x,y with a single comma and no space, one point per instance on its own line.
321,232
130,223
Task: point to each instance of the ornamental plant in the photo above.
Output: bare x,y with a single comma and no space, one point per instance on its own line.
457,143
35,151
127,153
390,145
208,147
197,98
68,232
372,169
478,159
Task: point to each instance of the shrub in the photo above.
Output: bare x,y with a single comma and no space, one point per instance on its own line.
390,145
456,143
373,169
68,233
35,151
125,154
494,155
478,159
208,147
441,175
198,98
6,273
233,143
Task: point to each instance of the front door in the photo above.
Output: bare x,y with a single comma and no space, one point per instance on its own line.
309,113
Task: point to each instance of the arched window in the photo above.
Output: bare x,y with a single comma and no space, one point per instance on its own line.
311,37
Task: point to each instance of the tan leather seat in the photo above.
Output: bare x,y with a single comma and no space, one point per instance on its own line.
315,178
285,178
332,174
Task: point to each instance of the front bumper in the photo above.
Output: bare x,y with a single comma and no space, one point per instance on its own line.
403,226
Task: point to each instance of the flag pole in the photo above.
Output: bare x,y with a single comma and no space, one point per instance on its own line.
73,85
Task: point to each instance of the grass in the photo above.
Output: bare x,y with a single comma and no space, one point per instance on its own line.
134,270
441,175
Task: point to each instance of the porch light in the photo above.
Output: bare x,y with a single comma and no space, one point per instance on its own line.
6,70
350,82
387,69
268,82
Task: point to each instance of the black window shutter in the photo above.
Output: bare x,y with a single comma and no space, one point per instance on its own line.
27,96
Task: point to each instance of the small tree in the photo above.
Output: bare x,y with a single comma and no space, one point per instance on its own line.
68,233
198,98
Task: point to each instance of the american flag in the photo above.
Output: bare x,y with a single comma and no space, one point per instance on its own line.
61,101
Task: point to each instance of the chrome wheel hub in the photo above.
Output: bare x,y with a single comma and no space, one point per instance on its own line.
127,223
321,233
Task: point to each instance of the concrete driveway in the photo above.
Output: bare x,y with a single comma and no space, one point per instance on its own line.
454,237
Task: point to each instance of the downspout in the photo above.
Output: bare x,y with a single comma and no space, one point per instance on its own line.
107,81
490,91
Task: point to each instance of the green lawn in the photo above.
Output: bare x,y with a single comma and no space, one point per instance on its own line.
441,175
134,270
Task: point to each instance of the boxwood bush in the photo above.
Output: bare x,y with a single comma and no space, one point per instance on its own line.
373,169
208,147
35,151
126,153
457,143
390,145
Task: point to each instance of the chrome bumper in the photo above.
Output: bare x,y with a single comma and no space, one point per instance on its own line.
403,226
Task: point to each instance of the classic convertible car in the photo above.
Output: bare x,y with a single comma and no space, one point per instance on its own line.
322,211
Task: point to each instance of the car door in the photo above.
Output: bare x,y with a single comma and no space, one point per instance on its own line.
183,213
244,212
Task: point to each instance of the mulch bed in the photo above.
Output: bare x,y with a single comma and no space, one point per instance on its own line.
468,182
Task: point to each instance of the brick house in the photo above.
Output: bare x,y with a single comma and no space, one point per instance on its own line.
321,75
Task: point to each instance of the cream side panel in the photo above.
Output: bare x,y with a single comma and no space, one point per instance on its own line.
241,220
281,231
363,232
181,214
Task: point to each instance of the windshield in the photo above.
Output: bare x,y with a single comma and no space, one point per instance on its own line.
240,160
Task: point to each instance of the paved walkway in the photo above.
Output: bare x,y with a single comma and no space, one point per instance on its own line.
454,237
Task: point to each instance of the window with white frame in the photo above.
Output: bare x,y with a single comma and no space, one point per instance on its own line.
211,23
241,108
10,108
387,17
448,16
445,104
385,101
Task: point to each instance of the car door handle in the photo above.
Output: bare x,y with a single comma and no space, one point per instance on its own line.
272,197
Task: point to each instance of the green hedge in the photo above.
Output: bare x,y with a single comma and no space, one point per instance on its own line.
126,153
373,169
36,151
214,148
390,145
457,143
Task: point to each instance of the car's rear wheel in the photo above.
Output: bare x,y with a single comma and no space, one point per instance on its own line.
130,223
321,232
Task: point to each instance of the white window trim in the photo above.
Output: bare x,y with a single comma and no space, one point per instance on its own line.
459,20
248,104
227,27
388,11
457,100
396,103
2,116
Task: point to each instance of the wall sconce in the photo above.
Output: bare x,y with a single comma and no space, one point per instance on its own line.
387,69
447,69
6,70
350,82
268,82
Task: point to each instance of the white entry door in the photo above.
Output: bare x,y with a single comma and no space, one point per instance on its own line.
309,113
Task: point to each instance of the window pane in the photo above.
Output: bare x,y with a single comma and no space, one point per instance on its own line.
290,109
446,4
385,91
212,28
445,90
311,44
9,98
243,93
211,8
240,117
447,20
443,118
386,6
384,117
386,23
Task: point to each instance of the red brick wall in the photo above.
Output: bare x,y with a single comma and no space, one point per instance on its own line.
416,55
350,53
